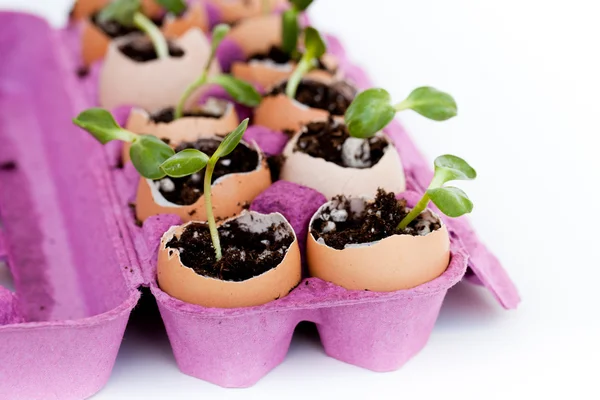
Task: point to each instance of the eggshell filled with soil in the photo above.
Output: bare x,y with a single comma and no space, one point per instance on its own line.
230,194
185,284
332,179
315,100
394,263
157,83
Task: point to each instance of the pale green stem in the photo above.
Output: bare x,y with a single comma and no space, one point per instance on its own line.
194,86
212,225
437,181
403,105
414,213
156,37
186,95
304,66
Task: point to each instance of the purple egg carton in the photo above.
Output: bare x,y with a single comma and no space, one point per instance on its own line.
78,259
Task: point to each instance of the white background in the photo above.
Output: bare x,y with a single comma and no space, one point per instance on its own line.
525,74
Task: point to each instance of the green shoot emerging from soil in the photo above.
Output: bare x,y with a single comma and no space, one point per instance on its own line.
450,200
372,110
314,49
128,13
154,159
241,91
291,26
190,161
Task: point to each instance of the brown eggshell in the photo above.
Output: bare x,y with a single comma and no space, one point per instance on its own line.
331,179
280,113
235,10
394,263
184,129
154,84
267,75
230,194
94,43
186,285
257,35
194,17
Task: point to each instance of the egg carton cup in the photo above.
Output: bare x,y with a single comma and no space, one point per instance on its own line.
78,259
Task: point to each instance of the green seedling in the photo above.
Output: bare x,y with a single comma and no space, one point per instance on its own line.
314,49
190,161
154,159
290,25
241,91
450,200
128,13
372,110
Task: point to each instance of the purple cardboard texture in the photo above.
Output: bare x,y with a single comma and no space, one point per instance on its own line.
77,255
67,260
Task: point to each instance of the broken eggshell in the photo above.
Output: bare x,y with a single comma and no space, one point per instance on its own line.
394,263
95,43
185,284
230,193
184,129
331,179
234,10
154,84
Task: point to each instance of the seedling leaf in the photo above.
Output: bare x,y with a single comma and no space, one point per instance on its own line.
452,168
451,201
176,7
241,91
230,142
184,163
148,153
290,31
121,11
431,103
101,124
369,113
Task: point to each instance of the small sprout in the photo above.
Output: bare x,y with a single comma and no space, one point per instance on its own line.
128,13
241,91
291,26
147,152
451,201
315,48
190,161
372,110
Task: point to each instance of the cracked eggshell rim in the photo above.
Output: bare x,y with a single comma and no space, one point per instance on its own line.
184,284
394,263
126,82
229,193
331,179
184,129
266,75
235,10
257,35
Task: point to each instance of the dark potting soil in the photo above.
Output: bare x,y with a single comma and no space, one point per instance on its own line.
140,49
278,56
114,29
213,109
334,98
275,163
187,190
327,140
341,225
245,254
